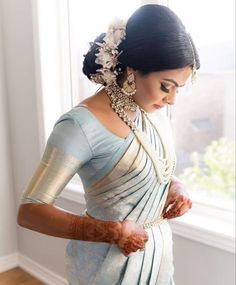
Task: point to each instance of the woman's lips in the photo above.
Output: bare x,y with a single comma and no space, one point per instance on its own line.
158,106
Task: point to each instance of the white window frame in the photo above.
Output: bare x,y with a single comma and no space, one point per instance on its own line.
54,80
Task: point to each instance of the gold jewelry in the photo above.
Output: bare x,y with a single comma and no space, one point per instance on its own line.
151,224
121,102
129,87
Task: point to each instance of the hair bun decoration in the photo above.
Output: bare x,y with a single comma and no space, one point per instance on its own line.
108,53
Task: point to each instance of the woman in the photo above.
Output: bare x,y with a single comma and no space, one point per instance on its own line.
121,145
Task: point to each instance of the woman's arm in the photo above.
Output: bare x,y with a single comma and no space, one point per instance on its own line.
54,221
51,220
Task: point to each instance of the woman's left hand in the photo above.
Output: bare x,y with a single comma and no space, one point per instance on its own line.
177,202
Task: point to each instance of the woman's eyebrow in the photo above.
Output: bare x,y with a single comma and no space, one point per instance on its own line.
172,80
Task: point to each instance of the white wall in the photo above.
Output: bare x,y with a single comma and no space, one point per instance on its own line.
8,238
23,124
195,263
199,264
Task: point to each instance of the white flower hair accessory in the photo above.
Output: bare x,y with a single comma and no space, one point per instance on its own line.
108,54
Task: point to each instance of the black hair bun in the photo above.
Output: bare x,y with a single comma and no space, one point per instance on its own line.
89,65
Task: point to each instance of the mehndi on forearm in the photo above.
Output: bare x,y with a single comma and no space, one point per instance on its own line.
53,221
90,229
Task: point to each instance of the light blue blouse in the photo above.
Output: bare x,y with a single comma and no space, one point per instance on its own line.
79,133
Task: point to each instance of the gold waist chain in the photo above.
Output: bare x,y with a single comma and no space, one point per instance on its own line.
153,223
145,225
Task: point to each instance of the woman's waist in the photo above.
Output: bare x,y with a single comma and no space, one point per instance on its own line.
149,222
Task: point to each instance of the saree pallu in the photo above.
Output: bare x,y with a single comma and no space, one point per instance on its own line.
130,190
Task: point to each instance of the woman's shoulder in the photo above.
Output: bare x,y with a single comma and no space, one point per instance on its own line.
96,113
69,135
86,119
81,113
78,115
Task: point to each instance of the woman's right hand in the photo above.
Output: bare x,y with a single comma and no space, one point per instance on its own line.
133,237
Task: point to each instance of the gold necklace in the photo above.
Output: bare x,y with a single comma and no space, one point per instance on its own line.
121,102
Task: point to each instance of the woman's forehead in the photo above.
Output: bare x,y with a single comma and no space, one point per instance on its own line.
178,76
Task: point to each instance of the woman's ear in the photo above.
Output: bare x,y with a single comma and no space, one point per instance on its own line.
127,71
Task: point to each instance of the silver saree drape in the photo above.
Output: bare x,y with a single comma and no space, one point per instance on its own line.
129,190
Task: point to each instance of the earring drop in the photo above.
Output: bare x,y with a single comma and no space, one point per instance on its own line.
129,87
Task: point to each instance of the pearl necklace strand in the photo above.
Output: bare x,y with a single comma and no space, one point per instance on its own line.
120,102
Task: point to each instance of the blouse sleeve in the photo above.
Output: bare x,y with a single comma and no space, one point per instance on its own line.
66,151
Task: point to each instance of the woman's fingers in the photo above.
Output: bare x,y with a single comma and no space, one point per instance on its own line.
132,245
133,237
173,211
184,208
181,206
129,251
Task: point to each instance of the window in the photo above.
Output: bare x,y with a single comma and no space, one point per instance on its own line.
87,20
204,115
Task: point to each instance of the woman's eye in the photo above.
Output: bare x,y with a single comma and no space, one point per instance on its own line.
164,88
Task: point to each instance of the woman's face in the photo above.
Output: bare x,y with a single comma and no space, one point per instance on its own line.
157,88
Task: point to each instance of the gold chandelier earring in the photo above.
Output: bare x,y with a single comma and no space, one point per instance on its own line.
129,86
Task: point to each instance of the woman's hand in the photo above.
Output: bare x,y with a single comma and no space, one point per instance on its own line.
178,201
132,238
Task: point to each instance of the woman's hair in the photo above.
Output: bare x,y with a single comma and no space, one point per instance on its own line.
156,40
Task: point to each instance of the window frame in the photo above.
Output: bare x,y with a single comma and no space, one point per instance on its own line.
53,74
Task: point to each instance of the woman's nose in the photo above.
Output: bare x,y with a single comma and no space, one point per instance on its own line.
170,99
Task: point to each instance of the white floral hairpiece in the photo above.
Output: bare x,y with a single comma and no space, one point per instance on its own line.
108,54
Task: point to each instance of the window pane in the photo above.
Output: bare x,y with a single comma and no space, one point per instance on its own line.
87,20
204,114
